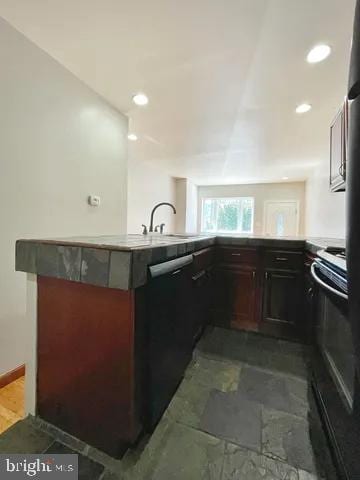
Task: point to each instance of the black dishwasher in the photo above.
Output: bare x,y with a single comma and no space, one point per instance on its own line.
168,332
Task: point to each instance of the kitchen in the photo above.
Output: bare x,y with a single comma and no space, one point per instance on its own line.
186,287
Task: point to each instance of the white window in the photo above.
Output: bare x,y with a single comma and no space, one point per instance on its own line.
227,215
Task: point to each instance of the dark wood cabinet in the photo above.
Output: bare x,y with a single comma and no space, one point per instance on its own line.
259,290
235,298
282,303
202,275
86,363
338,149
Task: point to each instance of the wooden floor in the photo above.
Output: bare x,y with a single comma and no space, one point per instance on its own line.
11,404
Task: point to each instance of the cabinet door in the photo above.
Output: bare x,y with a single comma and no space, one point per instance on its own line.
235,295
282,303
201,301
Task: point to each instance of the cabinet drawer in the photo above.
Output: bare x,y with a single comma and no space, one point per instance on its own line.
238,256
203,259
284,260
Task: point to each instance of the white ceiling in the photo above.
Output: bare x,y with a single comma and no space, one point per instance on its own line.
223,76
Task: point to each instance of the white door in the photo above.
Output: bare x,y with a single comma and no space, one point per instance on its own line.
281,218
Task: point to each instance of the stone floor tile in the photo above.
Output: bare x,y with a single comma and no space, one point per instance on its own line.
206,372
23,437
275,391
288,364
299,391
286,437
243,464
88,469
188,405
137,461
294,348
110,463
264,387
309,476
108,475
222,343
234,418
182,454
262,342
58,434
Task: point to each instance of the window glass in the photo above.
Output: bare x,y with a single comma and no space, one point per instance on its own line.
227,215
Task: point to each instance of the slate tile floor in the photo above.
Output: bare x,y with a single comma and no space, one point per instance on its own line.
244,411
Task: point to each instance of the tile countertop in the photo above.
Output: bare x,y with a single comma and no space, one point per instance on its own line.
121,261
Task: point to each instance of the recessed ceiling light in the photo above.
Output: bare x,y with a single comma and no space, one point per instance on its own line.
318,53
132,137
285,178
140,99
303,108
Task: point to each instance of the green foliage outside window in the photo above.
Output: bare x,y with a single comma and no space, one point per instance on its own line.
228,215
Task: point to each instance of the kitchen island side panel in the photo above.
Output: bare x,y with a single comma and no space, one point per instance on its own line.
86,372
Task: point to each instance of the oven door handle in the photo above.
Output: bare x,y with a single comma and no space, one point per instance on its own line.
325,285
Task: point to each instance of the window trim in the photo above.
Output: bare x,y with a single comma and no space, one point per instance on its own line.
203,199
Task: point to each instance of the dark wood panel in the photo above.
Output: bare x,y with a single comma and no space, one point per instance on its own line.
235,298
282,303
238,256
201,300
86,369
203,259
284,260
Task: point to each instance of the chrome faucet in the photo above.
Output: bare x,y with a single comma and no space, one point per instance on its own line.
161,226
151,228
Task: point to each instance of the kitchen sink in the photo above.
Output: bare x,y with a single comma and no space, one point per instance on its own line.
182,235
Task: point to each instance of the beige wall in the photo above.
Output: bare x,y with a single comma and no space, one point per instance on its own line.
186,206
260,192
148,186
59,142
325,211
181,210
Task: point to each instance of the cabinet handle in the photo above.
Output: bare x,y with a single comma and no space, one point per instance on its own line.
282,259
341,170
266,275
199,275
253,275
236,254
176,272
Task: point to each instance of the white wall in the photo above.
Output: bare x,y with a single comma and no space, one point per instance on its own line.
186,205
148,186
325,211
59,142
181,210
260,192
191,225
